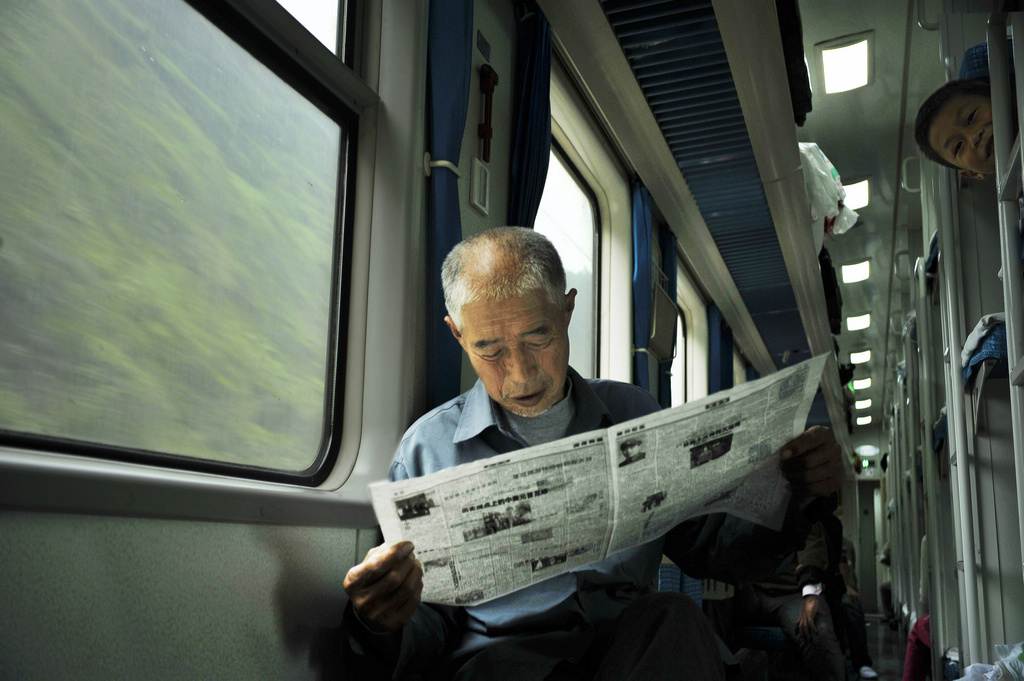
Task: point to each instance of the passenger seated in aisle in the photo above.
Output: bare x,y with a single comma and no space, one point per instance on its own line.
505,293
856,627
793,601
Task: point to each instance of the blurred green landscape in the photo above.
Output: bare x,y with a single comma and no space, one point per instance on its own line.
167,210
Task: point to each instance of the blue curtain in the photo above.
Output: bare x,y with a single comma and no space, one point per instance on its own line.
752,373
641,283
719,352
531,137
668,265
449,56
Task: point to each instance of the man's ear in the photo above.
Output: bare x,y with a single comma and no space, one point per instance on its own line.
455,330
971,174
570,304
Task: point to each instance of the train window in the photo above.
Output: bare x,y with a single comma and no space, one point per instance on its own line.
568,217
693,308
679,364
169,216
739,369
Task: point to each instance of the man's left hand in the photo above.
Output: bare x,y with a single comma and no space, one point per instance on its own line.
811,463
805,627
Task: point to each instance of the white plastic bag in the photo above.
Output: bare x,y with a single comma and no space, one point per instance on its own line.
1011,662
847,218
821,180
980,672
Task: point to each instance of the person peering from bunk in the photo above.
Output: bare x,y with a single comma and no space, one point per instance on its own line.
954,124
954,128
504,290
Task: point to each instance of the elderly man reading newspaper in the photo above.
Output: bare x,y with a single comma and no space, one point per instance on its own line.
505,294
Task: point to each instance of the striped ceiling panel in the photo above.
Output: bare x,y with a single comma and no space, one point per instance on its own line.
677,56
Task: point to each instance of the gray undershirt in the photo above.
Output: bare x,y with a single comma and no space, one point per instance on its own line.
546,427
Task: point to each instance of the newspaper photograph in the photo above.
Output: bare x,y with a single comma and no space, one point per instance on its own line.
487,528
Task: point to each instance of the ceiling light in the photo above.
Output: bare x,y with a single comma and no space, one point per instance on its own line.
846,65
867,450
863,420
857,272
862,384
862,404
858,323
860,357
857,195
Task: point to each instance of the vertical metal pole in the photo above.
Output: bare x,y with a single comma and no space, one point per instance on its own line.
954,471
1013,295
957,419
926,349
912,405
905,512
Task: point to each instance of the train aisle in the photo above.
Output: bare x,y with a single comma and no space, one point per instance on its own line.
886,647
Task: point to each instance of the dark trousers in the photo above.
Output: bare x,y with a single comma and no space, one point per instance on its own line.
661,636
885,591
856,634
820,654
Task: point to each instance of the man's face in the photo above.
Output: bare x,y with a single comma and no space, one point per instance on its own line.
519,348
962,135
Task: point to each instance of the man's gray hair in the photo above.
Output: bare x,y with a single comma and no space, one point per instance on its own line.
498,264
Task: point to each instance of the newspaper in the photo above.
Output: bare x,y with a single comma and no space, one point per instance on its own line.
490,527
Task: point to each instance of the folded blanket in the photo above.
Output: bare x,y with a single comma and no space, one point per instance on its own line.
984,327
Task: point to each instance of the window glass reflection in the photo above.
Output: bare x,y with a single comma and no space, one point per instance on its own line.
167,212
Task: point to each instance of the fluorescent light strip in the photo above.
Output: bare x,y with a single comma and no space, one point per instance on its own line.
857,195
858,323
863,420
856,272
862,384
845,68
862,404
860,357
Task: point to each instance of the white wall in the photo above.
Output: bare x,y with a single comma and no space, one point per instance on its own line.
495,20
93,597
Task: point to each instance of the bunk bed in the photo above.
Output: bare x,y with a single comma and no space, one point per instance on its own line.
980,443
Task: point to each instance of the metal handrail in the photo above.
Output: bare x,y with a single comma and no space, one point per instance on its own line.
955,413
921,21
1009,236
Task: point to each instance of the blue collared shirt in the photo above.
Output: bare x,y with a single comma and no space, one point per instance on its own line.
470,428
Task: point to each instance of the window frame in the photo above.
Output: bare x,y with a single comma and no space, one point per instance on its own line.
578,131
692,305
682,352
266,45
58,474
595,207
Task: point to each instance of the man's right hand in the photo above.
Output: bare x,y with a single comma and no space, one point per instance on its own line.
385,588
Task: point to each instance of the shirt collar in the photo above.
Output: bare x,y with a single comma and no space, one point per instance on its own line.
480,412
591,412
